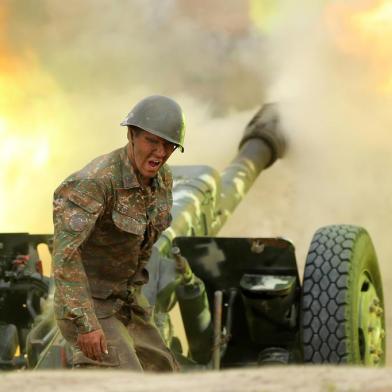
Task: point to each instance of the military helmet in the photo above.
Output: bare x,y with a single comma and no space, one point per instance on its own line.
161,116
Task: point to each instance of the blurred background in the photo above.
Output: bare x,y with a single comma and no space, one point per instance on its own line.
70,72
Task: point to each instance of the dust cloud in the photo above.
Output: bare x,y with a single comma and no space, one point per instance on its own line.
102,56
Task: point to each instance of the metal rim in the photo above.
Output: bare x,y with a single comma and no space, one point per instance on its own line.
371,331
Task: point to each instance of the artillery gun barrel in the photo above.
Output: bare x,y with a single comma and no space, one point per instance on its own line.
261,145
204,199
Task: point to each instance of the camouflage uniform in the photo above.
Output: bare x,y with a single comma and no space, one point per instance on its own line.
105,226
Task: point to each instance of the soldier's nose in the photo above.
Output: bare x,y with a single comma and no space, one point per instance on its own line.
160,150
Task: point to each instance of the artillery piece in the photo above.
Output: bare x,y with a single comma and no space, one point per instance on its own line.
253,285
241,299
22,286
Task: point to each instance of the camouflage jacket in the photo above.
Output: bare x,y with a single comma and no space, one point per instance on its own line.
105,224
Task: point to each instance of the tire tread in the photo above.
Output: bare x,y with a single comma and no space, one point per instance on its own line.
324,294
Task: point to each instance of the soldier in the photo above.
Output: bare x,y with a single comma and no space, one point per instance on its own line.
106,218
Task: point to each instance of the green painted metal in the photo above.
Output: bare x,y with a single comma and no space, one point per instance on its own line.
370,320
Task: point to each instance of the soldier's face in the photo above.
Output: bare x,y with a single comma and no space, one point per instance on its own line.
149,153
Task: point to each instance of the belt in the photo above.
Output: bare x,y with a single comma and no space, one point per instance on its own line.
126,295
126,302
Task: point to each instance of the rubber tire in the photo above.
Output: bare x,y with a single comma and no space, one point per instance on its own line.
8,341
337,258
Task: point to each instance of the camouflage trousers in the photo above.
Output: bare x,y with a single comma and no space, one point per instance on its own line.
133,341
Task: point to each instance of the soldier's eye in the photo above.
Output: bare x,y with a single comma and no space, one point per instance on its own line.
151,140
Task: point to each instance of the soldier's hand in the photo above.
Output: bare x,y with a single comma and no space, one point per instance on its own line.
93,344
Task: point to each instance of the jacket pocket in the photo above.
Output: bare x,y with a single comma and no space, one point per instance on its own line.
103,305
109,360
84,201
104,308
163,218
129,213
80,214
128,224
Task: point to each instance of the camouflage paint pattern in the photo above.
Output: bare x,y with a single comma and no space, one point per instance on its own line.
105,225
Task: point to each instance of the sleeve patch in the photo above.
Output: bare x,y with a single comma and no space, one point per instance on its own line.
78,222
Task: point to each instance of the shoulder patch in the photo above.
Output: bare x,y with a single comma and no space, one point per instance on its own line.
78,222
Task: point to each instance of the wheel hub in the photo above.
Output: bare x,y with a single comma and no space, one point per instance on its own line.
371,323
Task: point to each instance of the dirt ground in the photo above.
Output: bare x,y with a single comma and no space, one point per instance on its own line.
292,378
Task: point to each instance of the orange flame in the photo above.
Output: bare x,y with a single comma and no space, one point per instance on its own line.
365,30
29,119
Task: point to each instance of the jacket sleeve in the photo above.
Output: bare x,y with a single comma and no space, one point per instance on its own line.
76,207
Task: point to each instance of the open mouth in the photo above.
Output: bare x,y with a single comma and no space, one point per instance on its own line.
154,163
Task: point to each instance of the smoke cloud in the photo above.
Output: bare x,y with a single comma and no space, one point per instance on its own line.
338,122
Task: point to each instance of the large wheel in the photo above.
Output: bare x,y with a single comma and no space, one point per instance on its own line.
342,299
8,342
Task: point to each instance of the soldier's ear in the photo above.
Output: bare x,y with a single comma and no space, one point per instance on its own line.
129,134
